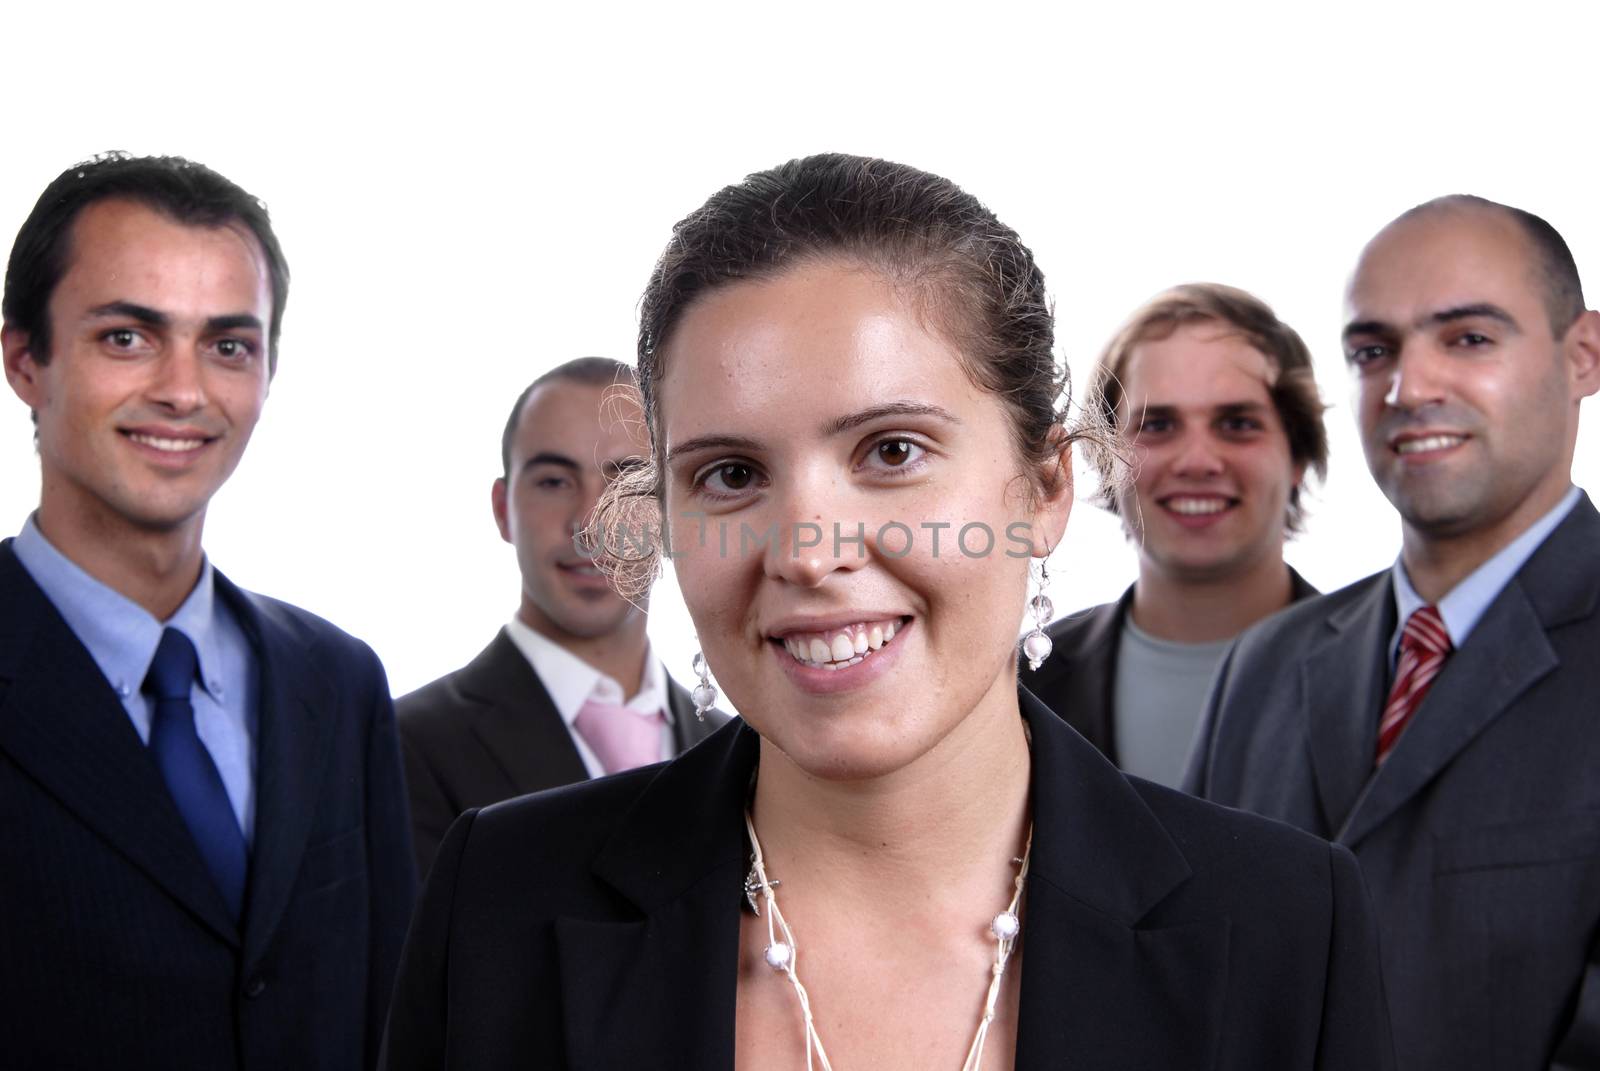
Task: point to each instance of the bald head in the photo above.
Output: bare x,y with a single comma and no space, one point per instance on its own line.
1555,271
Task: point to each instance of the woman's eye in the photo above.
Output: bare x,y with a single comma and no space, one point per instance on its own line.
896,453
732,476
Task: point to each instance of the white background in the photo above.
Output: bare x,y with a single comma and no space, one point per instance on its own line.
468,196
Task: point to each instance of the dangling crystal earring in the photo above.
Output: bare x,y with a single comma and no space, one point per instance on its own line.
1036,645
705,693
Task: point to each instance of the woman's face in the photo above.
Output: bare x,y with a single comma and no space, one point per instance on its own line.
850,523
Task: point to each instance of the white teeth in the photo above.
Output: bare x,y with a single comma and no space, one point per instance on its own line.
176,446
841,647
1196,506
1432,442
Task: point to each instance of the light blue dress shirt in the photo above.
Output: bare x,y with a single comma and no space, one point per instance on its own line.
121,636
1465,603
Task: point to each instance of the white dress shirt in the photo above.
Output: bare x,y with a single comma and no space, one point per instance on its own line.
572,682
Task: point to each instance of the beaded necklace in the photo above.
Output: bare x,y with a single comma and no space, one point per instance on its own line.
783,955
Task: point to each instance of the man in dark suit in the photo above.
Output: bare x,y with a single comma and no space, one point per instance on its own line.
204,858
1440,718
1216,397
568,689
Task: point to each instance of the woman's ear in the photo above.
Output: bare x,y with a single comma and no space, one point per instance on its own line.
1053,499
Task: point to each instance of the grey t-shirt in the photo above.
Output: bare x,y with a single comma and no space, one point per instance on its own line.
1160,692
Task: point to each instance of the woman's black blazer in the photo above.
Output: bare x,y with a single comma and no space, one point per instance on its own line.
597,926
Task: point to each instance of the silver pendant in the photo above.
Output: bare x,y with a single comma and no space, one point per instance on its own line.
752,887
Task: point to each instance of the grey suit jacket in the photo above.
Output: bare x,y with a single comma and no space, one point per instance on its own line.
488,732
1079,679
1480,836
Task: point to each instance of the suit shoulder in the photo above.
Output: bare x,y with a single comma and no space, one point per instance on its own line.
1076,627
303,625
329,650
1233,849
552,835
1306,617
437,701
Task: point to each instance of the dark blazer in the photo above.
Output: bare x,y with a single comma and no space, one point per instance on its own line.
1079,679
597,926
490,731
1480,837
116,949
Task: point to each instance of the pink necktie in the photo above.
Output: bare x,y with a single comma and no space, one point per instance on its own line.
1424,645
620,737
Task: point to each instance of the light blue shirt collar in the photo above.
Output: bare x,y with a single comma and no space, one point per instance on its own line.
1463,606
120,634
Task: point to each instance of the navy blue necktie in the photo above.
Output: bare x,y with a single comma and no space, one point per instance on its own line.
191,776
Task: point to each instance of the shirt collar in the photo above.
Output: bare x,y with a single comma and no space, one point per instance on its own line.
119,634
1466,603
571,681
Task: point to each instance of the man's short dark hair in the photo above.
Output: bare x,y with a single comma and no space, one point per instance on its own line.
590,371
187,192
1552,259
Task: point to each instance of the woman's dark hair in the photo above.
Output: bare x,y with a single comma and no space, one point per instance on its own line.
959,266
963,268
180,189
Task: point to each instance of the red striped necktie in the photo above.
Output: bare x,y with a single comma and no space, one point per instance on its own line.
1424,645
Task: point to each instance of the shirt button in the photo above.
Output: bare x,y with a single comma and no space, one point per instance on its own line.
123,691
255,987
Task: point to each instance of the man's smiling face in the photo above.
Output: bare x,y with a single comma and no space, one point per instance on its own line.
157,370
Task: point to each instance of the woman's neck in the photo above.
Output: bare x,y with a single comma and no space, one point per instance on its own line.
949,820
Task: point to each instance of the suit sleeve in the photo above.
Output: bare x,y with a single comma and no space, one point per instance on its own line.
1579,1047
1355,1016
431,809
391,874
416,1036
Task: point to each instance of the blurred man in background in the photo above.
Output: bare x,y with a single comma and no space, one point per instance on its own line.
1216,399
568,689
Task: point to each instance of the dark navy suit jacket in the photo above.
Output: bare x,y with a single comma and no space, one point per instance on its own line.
597,926
116,949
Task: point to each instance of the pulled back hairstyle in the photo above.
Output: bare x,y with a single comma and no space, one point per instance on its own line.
1293,388
959,267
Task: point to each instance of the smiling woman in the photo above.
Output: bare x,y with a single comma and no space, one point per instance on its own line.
848,377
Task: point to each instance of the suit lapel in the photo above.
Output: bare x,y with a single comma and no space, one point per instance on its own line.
679,958
294,700
1102,861
1300,588
61,722
1507,653
1085,681
1090,972
520,727
1341,686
